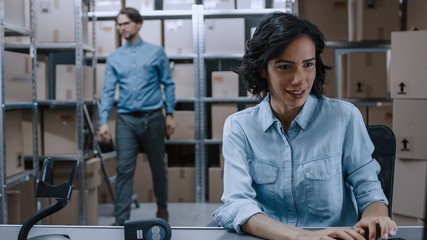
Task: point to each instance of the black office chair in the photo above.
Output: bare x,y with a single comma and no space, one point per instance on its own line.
385,152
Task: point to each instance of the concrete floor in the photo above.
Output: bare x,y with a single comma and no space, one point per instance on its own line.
180,214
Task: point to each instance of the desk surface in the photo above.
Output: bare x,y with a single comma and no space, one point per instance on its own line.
11,232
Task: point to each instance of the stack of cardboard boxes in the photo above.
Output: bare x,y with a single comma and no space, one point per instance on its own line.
408,90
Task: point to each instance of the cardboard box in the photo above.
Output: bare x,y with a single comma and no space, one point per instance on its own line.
216,184
220,112
375,20
183,75
416,19
66,82
60,131
215,4
185,125
225,84
409,118
93,175
27,199
42,77
250,4
409,191
70,214
15,13
14,157
367,75
178,5
330,16
408,70
216,30
18,68
55,21
381,115
100,73
151,31
105,37
108,5
13,207
141,5
181,184
27,133
178,35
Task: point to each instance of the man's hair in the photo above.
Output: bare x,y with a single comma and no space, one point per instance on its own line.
274,33
132,14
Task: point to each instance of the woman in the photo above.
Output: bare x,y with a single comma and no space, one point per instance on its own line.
298,159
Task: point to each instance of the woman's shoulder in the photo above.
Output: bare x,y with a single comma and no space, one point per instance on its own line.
244,114
336,104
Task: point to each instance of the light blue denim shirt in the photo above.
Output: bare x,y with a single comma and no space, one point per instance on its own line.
320,173
140,70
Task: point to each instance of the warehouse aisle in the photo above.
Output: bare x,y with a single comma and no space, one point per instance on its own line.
180,214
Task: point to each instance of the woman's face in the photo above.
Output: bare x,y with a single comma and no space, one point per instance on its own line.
291,75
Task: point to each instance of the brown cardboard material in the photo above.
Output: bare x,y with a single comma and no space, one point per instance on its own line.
181,181
220,112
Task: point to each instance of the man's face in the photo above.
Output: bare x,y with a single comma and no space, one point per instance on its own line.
126,27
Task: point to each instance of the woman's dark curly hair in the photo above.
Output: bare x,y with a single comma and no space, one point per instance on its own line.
273,34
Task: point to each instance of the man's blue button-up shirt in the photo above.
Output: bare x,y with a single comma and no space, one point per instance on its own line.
140,70
320,173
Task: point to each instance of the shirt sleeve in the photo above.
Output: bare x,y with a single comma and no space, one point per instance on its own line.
108,90
360,168
239,196
167,81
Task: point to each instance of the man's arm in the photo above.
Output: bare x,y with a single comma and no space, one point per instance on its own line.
107,101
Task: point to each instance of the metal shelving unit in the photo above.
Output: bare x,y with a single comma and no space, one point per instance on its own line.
345,47
8,29
79,49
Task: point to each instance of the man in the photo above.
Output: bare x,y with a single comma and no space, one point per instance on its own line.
139,68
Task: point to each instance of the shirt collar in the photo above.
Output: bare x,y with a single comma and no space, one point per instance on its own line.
137,44
303,118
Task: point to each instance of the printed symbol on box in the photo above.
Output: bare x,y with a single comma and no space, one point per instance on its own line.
402,88
139,234
404,145
359,87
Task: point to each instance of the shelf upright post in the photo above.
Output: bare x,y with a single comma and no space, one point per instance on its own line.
3,197
199,67
35,114
79,108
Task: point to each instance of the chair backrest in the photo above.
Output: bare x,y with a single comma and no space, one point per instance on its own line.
385,152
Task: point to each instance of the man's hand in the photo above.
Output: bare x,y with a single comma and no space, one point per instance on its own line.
170,125
104,133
